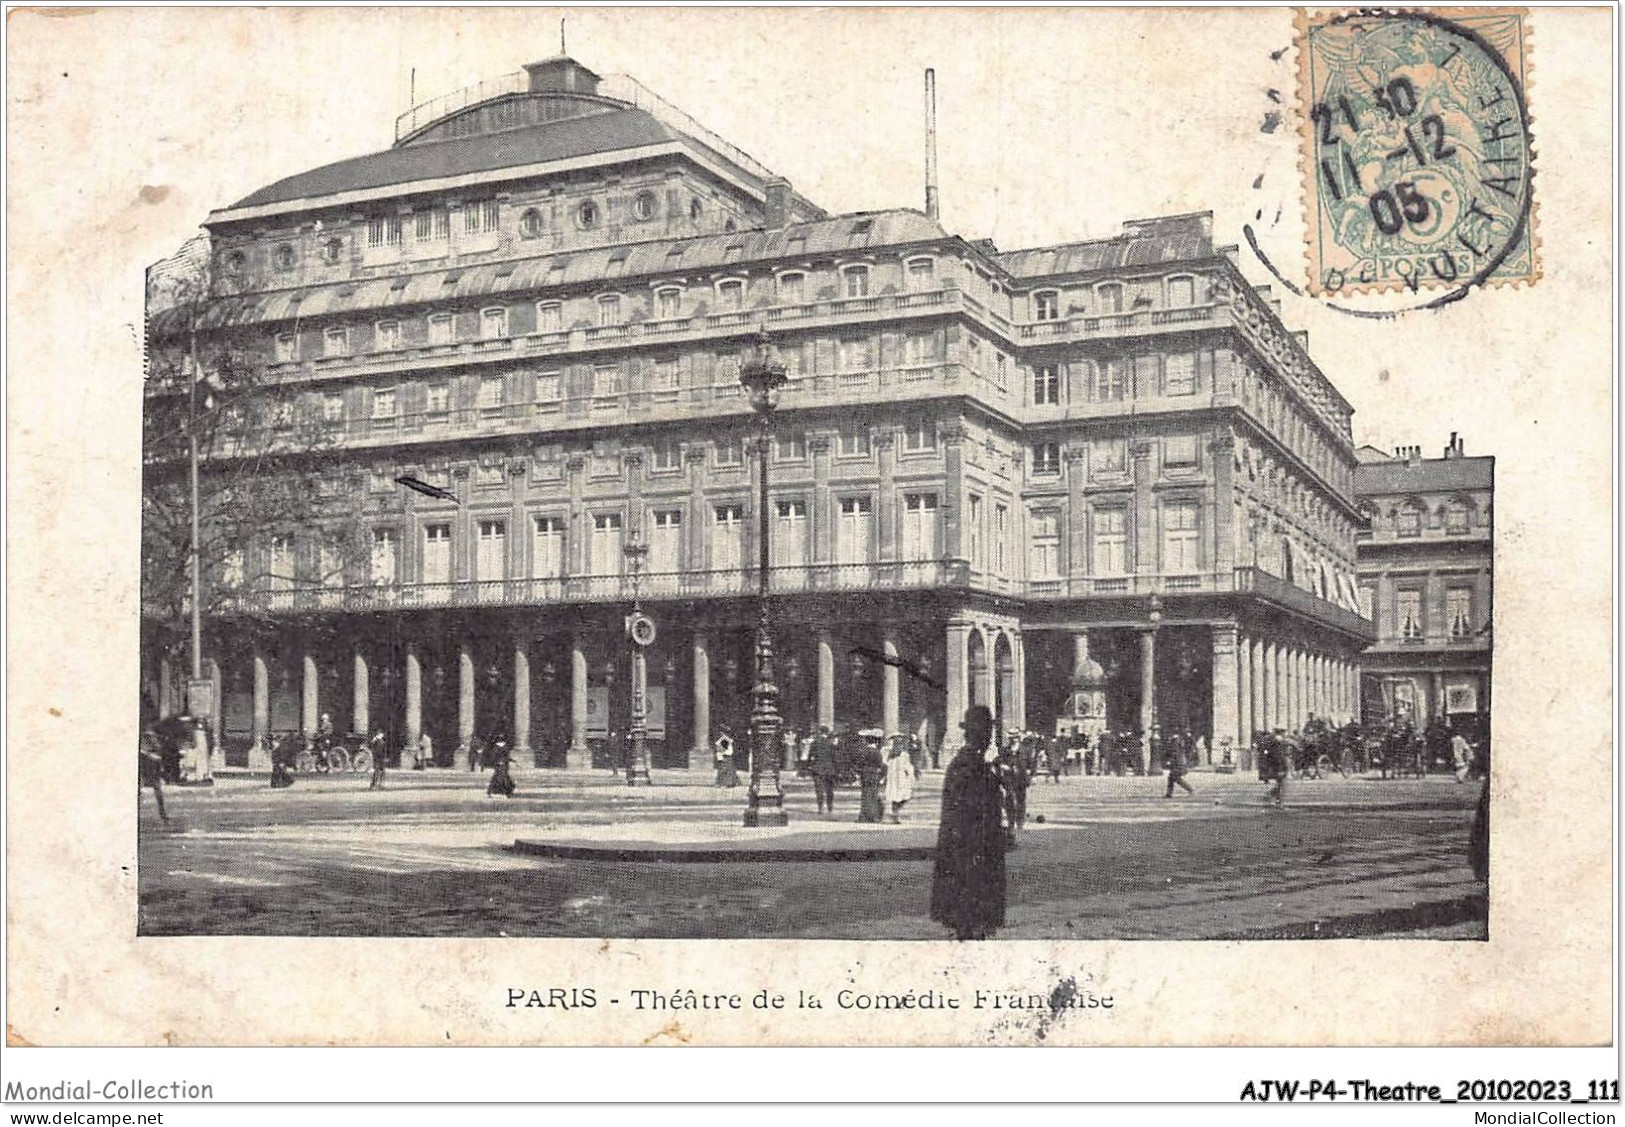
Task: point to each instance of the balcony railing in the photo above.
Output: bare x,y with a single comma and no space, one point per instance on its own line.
787,580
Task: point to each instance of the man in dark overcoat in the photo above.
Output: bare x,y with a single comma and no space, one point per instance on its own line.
823,768
967,884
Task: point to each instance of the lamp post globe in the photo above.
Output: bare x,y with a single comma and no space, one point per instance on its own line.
763,376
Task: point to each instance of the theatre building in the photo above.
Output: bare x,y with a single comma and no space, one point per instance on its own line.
1426,582
996,475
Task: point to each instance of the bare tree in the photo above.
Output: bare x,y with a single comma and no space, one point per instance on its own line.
278,510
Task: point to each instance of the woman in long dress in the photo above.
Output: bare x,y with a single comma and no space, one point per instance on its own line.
900,772
967,884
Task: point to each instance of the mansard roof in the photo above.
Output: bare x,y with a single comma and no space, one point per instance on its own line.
1431,475
588,135
1144,242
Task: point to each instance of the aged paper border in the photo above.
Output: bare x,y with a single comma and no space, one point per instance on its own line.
77,975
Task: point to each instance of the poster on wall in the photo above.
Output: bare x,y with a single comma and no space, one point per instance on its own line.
1461,695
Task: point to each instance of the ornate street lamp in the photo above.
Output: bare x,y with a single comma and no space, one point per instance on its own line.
762,376
640,629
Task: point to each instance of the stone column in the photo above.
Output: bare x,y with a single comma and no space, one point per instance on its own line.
1148,694
310,700
957,673
1260,685
1244,701
1272,686
414,705
521,698
1221,513
890,704
1226,689
259,751
579,756
1018,655
465,705
826,680
984,691
886,500
166,690
699,756
952,436
361,696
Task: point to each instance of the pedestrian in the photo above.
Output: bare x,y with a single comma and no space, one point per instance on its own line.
376,747
1461,756
1056,747
901,771
425,753
967,881
151,770
1014,777
1273,764
283,756
501,780
823,767
871,765
1176,766
727,770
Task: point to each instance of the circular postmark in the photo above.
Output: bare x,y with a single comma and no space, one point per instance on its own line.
1416,154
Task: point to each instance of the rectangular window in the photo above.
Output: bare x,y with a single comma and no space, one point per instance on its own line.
1044,560
1455,519
547,548
549,317
973,518
791,446
855,281
286,348
1180,539
1408,522
853,441
1110,541
1179,374
1046,458
490,394
1179,450
606,380
437,553
730,296
280,574
336,341
666,376
1109,297
730,451
384,231
669,304
1001,370
1408,614
854,538
439,399
725,372
792,289
383,404
607,557
332,407
1001,538
1181,292
789,543
549,386
921,274
493,324
919,527
921,348
1147,371
442,329
609,310
1368,604
668,454
385,566
387,336
666,541
1046,386
1458,611
428,226
856,354
491,554
727,537
1111,380
1046,306
1108,456
919,435
490,215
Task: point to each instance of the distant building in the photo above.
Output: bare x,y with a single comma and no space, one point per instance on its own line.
1426,581
992,467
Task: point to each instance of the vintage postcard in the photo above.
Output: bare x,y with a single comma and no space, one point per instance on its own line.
981,527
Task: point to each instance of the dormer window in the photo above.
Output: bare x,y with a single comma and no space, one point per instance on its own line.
530,223
1047,306
855,281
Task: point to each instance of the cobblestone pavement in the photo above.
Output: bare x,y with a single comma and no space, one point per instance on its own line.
1110,858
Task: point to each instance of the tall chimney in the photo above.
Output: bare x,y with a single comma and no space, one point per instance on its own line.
930,143
776,203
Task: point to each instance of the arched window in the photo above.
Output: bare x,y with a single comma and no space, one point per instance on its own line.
530,223
587,215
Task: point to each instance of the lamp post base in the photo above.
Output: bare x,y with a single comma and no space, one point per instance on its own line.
766,813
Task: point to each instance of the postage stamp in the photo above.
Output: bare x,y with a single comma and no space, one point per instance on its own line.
1416,150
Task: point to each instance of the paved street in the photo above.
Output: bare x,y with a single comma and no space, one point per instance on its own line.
432,855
